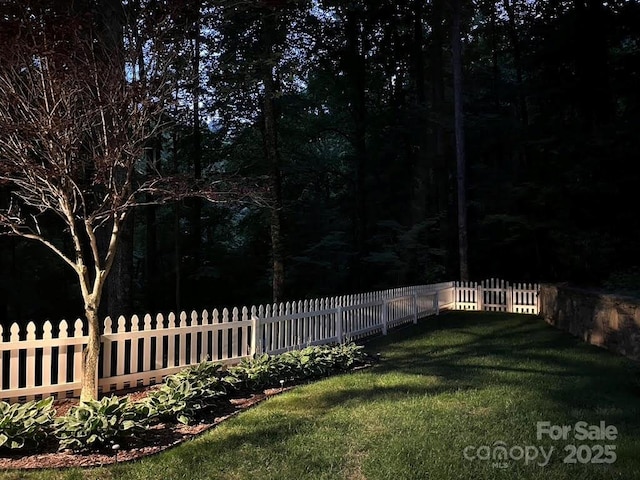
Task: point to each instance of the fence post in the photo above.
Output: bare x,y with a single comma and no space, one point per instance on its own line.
415,308
339,323
385,314
436,302
479,297
509,298
455,295
255,326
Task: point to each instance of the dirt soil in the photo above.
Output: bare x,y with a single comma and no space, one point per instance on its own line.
159,437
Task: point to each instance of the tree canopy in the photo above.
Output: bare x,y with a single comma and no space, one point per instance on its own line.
341,114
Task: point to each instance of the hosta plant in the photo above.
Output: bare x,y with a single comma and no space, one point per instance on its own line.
98,423
309,362
259,372
346,356
25,424
184,395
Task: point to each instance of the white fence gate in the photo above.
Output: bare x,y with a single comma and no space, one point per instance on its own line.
497,296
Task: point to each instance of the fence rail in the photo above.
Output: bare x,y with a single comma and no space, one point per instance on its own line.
142,350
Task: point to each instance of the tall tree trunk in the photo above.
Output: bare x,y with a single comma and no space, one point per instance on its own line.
153,164
195,204
270,139
177,214
517,60
151,240
416,149
456,52
595,100
356,70
439,198
420,161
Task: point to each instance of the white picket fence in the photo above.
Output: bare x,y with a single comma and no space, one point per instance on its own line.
142,350
497,296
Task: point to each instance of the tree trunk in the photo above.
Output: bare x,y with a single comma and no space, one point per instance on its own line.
517,60
416,151
270,140
151,240
356,70
195,204
595,100
177,216
271,152
456,51
178,258
91,353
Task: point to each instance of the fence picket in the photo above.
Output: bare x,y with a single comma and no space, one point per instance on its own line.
171,345
31,357
121,344
63,329
47,337
133,359
193,343
160,343
77,351
146,344
234,333
14,371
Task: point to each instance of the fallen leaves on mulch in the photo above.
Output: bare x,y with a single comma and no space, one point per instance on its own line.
159,437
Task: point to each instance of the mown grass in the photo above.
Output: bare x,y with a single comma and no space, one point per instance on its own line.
458,380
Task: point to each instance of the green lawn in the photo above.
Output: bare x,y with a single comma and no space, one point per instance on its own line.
454,381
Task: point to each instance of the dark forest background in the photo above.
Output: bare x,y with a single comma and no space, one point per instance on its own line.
337,119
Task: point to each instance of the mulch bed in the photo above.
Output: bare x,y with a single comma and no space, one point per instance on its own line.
159,437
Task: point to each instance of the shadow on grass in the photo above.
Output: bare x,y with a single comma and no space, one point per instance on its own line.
452,354
474,349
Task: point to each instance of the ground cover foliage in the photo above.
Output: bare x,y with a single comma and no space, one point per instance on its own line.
182,398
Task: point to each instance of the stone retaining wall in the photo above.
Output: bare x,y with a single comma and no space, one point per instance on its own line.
605,320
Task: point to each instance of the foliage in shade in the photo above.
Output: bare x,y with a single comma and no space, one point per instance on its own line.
184,395
25,425
194,390
96,424
311,362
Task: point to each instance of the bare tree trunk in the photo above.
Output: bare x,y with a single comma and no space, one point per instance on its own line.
91,353
456,50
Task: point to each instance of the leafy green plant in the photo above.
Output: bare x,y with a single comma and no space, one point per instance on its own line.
25,424
185,394
94,423
347,356
259,372
310,362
